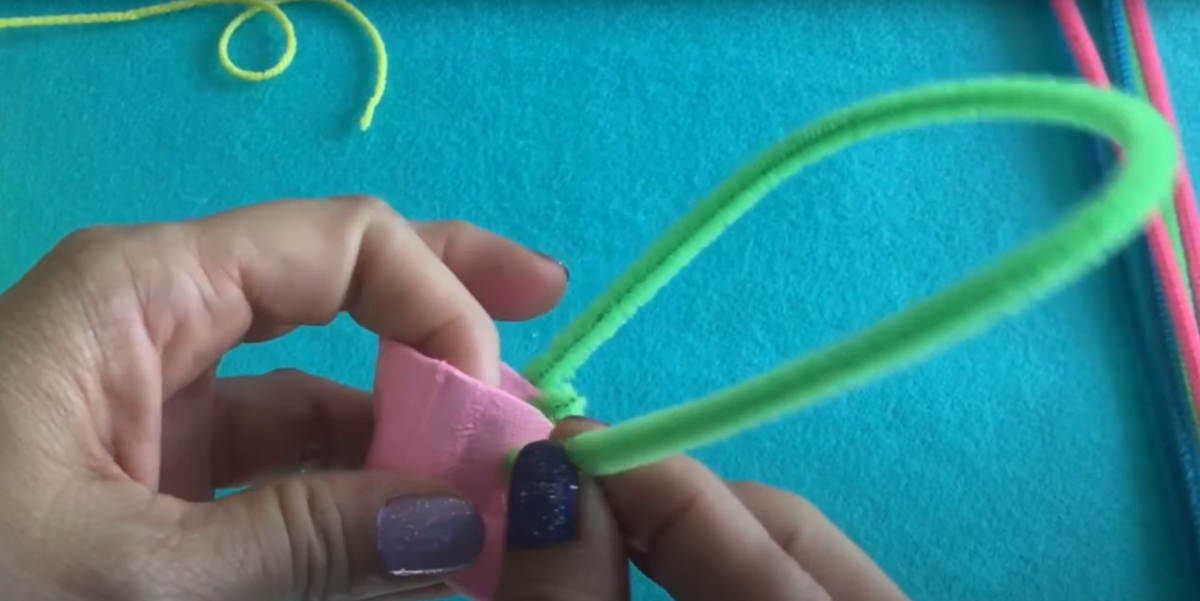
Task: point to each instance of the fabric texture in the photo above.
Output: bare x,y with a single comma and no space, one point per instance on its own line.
433,420
1019,466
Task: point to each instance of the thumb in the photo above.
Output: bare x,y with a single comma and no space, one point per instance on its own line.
562,541
335,535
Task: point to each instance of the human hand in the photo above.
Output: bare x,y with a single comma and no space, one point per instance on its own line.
699,538
114,428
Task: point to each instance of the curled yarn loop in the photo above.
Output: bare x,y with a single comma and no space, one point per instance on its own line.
254,7
1090,235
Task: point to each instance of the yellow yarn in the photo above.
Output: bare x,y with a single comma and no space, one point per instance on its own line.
270,7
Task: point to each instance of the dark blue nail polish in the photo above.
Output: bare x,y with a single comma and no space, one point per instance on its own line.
543,494
556,262
427,536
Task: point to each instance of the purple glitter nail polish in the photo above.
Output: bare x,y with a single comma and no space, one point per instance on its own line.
427,536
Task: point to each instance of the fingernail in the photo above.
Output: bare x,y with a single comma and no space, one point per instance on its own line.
427,536
561,265
542,497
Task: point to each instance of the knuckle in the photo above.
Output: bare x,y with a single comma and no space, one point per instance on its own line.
446,235
799,535
796,534
359,213
316,539
748,487
798,505
106,246
805,508
87,242
683,512
364,204
458,227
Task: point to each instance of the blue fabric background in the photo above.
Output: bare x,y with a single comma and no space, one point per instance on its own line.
1017,466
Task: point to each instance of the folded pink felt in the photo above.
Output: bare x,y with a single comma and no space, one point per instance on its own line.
433,420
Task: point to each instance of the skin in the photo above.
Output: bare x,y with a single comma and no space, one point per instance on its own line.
115,431
699,538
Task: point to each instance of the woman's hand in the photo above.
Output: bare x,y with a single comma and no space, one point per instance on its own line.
114,429
113,425
699,538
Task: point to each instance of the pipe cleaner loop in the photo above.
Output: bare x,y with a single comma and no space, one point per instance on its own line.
254,7
1091,234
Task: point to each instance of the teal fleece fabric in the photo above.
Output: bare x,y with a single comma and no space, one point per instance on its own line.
1018,466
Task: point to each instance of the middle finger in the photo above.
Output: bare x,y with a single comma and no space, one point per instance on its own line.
697,540
563,543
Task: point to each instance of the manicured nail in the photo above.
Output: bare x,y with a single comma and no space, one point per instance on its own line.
542,497
427,536
556,262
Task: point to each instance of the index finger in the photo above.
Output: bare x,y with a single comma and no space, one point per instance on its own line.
185,293
135,314
303,262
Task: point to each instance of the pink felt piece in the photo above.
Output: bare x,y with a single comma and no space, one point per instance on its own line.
433,420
